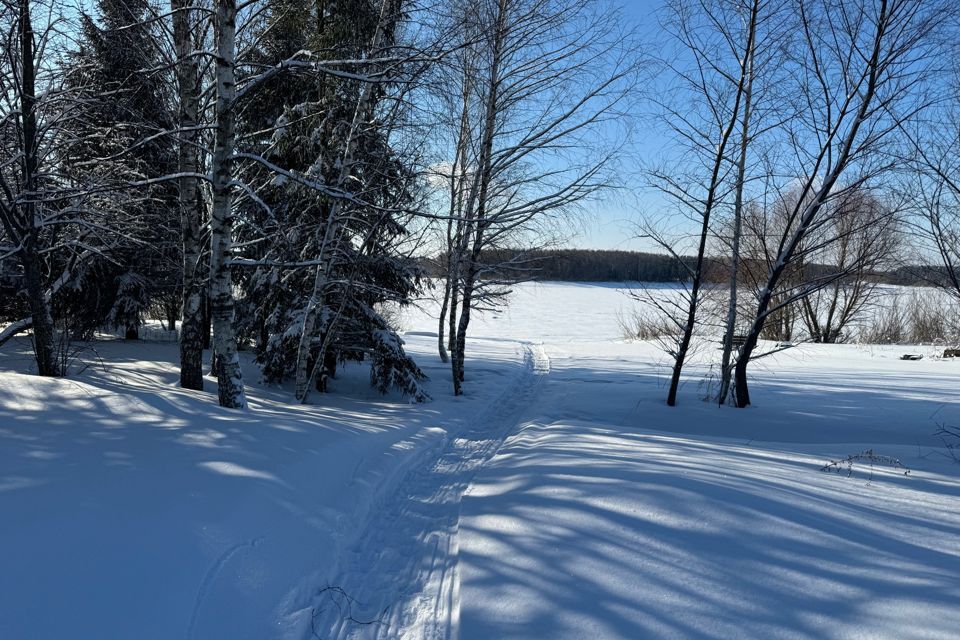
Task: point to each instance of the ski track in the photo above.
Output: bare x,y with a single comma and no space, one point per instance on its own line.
400,577
211,576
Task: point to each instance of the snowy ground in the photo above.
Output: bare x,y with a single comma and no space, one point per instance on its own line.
559,499
608,517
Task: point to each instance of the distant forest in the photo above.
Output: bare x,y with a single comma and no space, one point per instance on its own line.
588,265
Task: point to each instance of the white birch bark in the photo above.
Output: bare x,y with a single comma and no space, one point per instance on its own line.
229,376
726,369
188,78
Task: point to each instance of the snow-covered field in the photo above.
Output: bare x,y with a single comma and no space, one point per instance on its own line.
559,499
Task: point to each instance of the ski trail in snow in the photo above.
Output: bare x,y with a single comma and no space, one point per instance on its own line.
400,579
211,575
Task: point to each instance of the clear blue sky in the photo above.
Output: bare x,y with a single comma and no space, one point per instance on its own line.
611,224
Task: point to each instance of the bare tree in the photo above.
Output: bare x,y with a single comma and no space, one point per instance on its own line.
757,116
857,71
192,208
938,193
718,42
834,273
856,244
457,110
935,184
764,224
51,220
26,138
540,79
65,206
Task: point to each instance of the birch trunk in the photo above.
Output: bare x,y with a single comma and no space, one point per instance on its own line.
473,230
229,377
726,370
714,185
458,179
188,78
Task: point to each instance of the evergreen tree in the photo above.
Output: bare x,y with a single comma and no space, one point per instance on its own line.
333,213
120,133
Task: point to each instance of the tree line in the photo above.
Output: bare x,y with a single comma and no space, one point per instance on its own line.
604,265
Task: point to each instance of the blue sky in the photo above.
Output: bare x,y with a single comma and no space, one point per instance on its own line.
611,223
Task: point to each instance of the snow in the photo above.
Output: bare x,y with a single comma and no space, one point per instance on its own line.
560,498
135,509
604,516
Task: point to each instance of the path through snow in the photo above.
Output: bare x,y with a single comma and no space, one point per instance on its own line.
400,578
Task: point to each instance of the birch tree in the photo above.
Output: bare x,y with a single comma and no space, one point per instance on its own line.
457,113
760,111
315,187
226,356
935,182
714,74
191,207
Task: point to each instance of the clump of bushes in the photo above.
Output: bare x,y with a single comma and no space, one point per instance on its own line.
914,318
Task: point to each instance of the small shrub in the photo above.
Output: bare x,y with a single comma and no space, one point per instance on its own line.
870,457
889,326
638,326
916,318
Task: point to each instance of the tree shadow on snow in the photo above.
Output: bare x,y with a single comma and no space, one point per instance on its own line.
581,531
